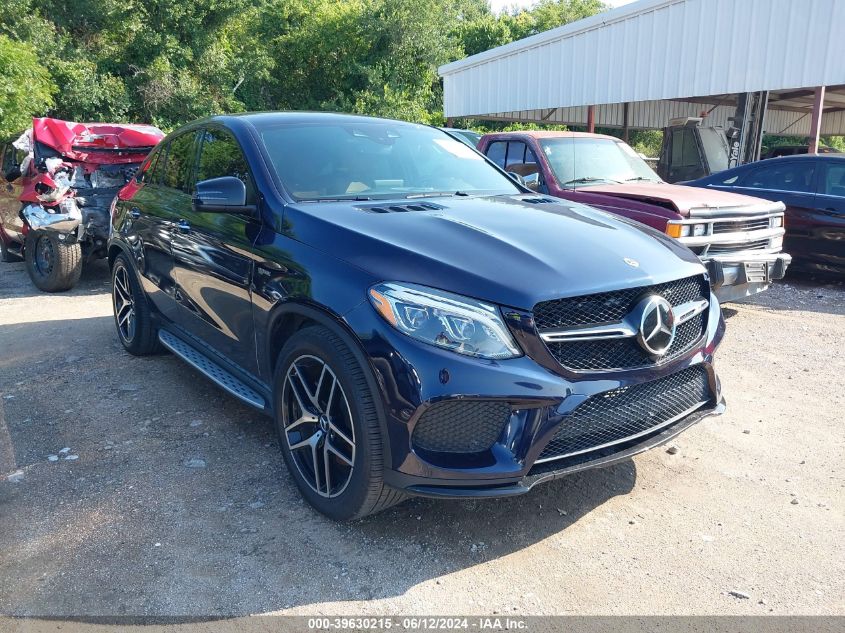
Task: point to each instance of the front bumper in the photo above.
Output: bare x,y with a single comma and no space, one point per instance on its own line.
736,276
413,378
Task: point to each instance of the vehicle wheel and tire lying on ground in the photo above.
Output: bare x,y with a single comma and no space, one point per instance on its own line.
57,183
739,238
415,322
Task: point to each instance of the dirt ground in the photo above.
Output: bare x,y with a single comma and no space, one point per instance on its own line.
120,524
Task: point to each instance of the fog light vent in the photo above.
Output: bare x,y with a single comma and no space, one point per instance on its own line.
461,426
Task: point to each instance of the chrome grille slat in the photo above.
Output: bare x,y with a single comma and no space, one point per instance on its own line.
736,247
742,225
623,414
609,307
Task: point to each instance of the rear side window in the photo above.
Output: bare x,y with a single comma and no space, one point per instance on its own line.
832,182
222,156
152,174
497,151
179,166
684,149
794,175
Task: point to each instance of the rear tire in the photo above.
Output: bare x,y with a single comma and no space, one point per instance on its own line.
324,405
132,318
52,264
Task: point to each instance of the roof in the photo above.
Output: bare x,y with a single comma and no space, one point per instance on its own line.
668,58
552,134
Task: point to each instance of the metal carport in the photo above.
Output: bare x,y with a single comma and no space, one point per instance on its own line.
640,65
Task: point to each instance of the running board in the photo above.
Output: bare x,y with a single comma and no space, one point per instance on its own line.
211,370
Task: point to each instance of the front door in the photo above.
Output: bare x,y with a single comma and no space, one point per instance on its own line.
212,259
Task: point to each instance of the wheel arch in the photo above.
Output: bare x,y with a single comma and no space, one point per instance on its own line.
293,316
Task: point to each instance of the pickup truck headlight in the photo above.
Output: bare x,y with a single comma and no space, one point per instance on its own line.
777,222
445,320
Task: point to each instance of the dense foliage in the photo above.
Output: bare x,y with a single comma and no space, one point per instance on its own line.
170,61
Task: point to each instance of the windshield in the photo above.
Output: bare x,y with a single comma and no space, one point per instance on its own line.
588,160
376,159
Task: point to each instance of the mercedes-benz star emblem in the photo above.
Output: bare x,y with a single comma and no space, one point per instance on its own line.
657,325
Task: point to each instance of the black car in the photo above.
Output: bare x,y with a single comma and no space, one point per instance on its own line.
813,189
415,322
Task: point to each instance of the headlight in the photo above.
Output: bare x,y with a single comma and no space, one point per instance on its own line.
777,221
446,320
699,229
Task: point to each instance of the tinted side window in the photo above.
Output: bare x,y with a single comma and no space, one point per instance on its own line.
795,175
684,149
152,174
178,169
516,153
832,182
222,156
496,152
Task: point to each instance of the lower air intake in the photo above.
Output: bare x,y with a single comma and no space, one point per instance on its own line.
616,416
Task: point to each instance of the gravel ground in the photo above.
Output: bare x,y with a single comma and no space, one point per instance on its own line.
167,497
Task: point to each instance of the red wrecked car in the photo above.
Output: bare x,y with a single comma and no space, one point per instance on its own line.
57,183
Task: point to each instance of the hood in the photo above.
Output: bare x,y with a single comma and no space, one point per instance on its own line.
102,143
502,249
680,197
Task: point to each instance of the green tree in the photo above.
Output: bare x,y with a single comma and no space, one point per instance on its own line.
26,89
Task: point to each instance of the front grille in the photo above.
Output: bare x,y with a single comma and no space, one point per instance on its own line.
742,225
463,426
613,417
736,247
609,307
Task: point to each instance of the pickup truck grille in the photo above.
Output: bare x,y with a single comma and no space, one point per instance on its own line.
616,416
757,224
609,307
736,247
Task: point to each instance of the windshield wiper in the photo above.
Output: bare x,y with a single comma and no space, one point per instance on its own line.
578,181
338,199
438,194
640,178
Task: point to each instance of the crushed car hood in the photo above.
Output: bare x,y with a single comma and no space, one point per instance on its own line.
103,143
680,197
502,249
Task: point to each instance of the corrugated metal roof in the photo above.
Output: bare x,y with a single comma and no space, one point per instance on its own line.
650,115
656,50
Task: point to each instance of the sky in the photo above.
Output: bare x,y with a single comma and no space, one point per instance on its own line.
498,5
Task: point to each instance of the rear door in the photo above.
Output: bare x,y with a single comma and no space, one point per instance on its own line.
212,257
826,227
791,181
10,192
153,213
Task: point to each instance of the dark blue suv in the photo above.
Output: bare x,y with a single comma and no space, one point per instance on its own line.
414,320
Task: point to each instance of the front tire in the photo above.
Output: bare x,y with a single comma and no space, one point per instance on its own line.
135,327
52,264
329,427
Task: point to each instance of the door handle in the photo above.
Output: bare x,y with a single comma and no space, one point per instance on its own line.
134,213
184,226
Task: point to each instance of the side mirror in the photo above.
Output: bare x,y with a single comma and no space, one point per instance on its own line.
518,178
532,181
226,194
13,174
